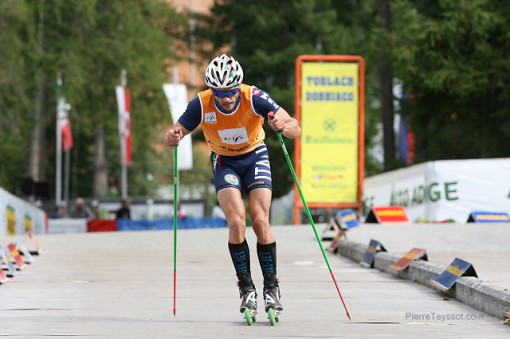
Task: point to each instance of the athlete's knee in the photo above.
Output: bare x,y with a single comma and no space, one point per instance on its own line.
236,223
237,229
261,227
260,223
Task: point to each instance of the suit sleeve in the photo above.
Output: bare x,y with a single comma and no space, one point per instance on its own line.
263,103
192,116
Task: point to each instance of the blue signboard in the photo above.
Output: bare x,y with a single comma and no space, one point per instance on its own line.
452,273
373,247
347,218
481,217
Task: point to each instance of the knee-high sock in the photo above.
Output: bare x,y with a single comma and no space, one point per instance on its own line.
267,260
240,254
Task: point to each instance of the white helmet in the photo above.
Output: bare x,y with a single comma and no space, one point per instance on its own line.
223,72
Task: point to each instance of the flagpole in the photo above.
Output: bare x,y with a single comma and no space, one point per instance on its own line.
58,171
124,181
123,82
67,108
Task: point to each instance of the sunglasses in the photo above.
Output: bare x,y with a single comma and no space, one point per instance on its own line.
225,94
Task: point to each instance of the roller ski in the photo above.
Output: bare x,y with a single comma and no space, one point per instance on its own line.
273,306
248,308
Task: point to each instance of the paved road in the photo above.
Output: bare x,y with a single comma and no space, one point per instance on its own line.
120,285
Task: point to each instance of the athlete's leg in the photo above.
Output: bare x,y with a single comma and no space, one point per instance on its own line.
259,183
228,186
231,203
259,201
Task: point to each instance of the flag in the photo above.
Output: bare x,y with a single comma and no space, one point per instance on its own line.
405,143
410,145
67,134
124,105
64,125
402,145
177,98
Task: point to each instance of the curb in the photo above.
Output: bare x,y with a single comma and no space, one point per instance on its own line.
470,291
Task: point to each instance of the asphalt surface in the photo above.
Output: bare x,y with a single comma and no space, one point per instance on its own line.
120,285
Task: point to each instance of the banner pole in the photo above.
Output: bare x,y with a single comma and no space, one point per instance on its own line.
124,183
58,148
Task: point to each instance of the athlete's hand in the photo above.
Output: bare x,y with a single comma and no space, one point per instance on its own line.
173,136
278,125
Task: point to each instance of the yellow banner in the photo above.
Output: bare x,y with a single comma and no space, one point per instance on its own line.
329,141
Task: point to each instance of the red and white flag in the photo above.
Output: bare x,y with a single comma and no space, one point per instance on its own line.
67,134
64,126
124,105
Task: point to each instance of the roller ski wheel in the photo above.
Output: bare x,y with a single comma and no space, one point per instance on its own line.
248,307
273,316
273,306
250,316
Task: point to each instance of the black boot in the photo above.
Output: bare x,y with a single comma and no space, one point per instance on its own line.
247,293
272,294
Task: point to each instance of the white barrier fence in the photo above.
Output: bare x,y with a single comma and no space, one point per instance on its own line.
67,225
18,216
443,190
434,192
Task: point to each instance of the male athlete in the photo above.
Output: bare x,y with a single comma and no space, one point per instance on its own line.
231,115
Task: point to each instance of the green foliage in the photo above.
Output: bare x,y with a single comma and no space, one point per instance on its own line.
15,103
453,56
88,43
130,37
266,37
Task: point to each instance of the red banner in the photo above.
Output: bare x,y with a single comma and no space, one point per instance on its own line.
67,135
101,225
124,104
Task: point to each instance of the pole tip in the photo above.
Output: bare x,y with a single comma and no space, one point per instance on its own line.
174,313
348,315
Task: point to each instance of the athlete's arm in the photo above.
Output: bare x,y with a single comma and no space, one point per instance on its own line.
283,123
277,117
188,121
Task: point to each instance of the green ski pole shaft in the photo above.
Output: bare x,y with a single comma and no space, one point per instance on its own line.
311,220
176,197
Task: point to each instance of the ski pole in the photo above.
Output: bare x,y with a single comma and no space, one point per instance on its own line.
311,220
176,197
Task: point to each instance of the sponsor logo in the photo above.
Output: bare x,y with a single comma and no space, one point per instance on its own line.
11,220
210,118
231,179
256,183
28,223
233,136
329,125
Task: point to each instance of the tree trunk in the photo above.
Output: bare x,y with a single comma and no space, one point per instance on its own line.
35,158
100,165
35,164
386,81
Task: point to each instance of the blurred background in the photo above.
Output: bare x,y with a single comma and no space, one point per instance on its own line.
437,75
